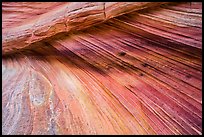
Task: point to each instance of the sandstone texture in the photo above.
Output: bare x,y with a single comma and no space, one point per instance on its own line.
52,18
102,68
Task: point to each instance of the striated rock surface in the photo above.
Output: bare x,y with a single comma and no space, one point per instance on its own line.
83,72
63,17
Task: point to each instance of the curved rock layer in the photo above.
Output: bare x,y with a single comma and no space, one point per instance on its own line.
139,73
33,23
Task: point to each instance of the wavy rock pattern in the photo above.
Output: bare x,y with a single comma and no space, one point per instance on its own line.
139,73
64,17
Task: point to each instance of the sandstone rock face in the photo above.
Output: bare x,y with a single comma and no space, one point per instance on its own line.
20,32
88,68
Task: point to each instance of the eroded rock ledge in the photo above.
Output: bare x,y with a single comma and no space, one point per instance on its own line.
66,17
